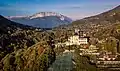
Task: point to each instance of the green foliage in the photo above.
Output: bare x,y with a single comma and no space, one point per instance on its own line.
110,45
82,64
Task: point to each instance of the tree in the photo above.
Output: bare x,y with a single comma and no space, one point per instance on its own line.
51,54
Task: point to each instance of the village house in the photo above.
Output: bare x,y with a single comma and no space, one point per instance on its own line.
91,50
107,56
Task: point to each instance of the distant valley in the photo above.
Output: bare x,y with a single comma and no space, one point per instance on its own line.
25,48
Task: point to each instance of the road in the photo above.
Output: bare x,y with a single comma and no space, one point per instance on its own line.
62,63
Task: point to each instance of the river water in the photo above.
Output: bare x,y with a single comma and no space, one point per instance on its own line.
62,63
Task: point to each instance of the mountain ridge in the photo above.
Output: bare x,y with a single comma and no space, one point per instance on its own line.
109,17
113,14
7,25
43,19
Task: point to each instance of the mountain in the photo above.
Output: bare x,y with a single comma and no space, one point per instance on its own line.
9,32
14,36
42,19
23,48
93,23
10,26
109,17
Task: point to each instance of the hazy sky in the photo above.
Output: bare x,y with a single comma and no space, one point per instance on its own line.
75,9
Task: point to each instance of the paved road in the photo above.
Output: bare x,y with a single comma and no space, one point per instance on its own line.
62,63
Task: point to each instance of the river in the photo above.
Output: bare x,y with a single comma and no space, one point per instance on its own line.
62,63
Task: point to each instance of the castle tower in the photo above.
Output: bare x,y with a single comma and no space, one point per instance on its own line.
80,33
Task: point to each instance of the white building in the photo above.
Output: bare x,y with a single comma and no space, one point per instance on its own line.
77,40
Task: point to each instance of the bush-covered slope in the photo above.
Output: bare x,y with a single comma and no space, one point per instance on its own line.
17,49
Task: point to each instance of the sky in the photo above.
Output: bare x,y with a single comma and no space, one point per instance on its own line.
75,9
